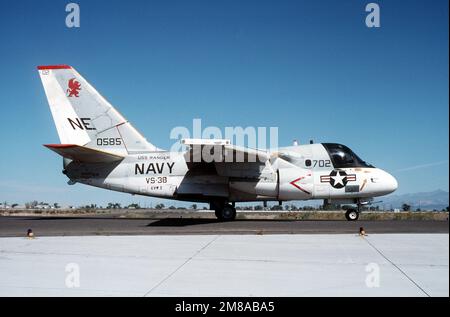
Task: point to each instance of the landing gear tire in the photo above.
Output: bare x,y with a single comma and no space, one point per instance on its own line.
352,214
226,213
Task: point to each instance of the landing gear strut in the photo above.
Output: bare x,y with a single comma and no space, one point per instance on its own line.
223,211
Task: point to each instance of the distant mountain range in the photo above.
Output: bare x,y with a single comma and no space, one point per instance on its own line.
434,200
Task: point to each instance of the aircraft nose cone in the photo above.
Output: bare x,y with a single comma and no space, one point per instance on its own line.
391,183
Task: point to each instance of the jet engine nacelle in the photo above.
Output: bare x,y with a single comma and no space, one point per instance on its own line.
264,188
295,184
290,184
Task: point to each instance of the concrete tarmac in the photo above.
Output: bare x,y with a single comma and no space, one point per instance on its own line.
226,265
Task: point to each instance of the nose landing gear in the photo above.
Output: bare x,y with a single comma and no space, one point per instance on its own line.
351,214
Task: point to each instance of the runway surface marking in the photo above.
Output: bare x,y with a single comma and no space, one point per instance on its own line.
178,268
397,267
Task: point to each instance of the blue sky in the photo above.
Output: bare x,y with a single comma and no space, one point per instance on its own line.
311,68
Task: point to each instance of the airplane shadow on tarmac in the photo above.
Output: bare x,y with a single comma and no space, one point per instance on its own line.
171,222
181,222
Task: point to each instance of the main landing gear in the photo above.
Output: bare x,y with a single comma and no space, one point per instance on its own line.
223,211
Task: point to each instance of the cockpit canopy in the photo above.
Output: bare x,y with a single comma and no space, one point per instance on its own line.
343,157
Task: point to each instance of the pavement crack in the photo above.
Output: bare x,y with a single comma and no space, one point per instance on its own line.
183,264
398,268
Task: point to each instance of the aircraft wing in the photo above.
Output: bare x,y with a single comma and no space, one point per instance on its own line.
83,154
222,151
250,155
228,160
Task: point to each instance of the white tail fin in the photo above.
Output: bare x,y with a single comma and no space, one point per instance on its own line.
83,117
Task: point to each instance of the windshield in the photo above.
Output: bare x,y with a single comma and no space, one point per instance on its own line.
343,157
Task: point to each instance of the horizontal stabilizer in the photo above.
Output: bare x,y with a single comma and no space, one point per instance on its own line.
83,154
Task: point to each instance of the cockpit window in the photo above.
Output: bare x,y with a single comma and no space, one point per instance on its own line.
343,157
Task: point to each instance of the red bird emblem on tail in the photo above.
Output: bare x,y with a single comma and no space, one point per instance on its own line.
74,88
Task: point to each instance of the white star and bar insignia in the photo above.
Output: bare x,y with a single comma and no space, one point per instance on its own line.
338,179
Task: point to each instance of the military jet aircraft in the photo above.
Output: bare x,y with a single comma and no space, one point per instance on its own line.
101,148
